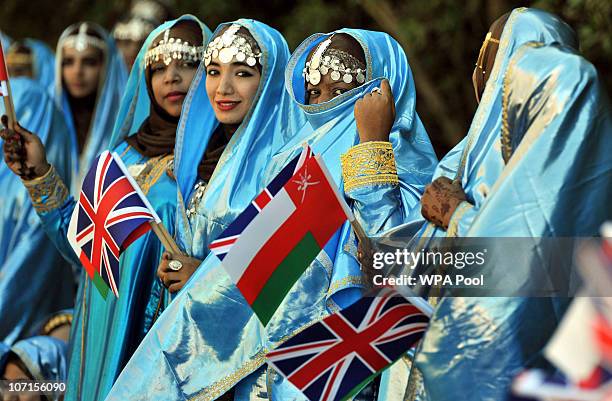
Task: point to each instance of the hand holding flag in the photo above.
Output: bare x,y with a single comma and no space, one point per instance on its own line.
111,213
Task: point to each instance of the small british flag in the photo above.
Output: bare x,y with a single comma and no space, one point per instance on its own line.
111,213
334,358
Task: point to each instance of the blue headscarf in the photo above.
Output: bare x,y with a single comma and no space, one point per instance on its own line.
24,247
110,91
43,64
556,183
136,104
44,356
476,161
4,353
5,40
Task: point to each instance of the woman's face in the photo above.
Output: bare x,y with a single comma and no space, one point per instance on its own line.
327,89
170,84
231,89
81,71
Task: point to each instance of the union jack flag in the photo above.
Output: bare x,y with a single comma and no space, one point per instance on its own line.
334,358
111,213
228,238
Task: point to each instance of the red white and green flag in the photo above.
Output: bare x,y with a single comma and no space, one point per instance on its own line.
270,244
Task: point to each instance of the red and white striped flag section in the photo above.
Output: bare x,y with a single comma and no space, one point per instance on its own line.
3,74
270,244
335,358
111,213
5,89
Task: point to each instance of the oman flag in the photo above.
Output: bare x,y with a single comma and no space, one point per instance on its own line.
268,247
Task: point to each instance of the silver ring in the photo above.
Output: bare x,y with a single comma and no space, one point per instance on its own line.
175,265
376,90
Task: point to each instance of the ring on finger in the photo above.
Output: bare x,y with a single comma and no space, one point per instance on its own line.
376,90
175,265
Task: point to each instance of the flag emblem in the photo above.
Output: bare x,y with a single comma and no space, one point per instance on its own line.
334,358
270,244
110,214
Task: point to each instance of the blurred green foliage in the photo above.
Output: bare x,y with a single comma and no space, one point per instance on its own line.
441,37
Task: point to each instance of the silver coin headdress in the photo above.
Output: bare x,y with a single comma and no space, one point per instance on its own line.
340,64
169,49
231,45
81,40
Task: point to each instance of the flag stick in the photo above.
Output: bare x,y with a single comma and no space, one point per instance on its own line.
165,238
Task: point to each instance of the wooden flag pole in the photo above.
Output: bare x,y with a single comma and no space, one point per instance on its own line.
165,238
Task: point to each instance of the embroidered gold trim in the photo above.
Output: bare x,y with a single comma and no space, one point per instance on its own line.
220,387
57,321
506,147
348,280
153,170
369,163
453,225
47,192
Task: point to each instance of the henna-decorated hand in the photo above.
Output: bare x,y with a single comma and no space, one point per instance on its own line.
24,153
440,200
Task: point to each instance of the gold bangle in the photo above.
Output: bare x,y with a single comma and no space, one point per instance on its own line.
47,192
55,322
369,163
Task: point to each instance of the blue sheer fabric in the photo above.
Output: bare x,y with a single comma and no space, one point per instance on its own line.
45,357
206,352
110,91
34,279
105,333
43,64
557,183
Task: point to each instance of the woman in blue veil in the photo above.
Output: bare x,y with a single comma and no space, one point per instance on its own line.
105,332
34,279
90,78
476,162
34,59
204,354
44,357
556,182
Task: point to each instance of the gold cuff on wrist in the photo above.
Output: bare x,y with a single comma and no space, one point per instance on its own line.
47,192
369,163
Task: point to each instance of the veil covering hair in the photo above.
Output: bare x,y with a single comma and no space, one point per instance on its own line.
110,90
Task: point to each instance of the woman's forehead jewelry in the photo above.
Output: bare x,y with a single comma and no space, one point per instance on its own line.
135,29
338,63
82,40
169,49
231,46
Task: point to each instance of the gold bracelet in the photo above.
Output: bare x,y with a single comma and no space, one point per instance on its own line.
369,163
55,322
47,192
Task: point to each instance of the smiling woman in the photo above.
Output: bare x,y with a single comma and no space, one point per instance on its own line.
232,82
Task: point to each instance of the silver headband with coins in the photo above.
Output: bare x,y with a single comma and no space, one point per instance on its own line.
169,49
338,63
81,40
231,46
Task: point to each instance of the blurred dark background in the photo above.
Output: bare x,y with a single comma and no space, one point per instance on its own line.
441,37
